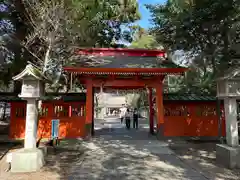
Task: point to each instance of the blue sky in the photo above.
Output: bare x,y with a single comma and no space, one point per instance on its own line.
145,20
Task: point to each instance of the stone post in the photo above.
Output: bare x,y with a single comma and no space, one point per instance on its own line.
31,124
230,106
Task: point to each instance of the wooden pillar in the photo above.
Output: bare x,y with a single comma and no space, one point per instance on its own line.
151,111
160,109
89,107
92,130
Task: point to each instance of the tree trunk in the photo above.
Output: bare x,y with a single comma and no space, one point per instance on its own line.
17,87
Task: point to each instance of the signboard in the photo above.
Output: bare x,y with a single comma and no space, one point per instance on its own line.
55,128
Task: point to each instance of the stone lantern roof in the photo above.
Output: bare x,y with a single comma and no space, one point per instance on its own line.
231,73
30,71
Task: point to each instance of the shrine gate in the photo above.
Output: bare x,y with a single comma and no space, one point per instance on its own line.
122,69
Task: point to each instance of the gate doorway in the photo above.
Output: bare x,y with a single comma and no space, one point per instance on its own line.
124,68
111,104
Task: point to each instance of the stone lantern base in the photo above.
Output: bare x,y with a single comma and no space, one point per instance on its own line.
28,160
228,156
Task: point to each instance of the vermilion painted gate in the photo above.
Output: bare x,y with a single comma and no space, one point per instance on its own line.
70,114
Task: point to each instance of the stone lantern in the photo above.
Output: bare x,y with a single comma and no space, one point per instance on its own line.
30,158
228,89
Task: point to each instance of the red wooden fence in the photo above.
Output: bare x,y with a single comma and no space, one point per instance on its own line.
70,114
189,118
182,118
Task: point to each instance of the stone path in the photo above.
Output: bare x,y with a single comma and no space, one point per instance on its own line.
117,153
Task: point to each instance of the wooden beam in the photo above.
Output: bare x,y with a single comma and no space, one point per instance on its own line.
128,82
133,71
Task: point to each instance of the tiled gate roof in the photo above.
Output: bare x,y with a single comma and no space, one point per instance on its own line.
188,97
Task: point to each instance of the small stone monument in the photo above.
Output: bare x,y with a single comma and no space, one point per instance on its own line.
228,89
30,158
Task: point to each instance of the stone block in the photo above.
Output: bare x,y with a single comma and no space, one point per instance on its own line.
44,149
28,160
228,156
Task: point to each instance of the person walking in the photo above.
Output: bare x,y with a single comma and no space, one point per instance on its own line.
122,113
127,118
135,118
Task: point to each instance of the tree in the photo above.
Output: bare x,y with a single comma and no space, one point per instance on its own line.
13,16
143,40
207,30
51,29
55,28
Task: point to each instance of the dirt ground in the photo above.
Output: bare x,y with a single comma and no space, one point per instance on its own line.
201,156
58,162
198,155
4,147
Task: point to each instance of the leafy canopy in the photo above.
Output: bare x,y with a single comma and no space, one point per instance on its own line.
207,30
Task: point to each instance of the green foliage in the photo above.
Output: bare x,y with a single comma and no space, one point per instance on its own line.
14,58
137,100
47,32
208,30
102,20
143,40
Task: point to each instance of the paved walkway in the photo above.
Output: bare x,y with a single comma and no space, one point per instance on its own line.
116,153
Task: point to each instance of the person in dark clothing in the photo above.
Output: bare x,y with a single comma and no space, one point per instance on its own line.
135,118
127,118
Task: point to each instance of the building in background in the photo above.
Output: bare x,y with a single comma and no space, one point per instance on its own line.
109,104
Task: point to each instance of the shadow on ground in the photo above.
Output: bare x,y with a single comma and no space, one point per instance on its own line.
133,156
201,155
129,155
61,158
58,163
136,155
